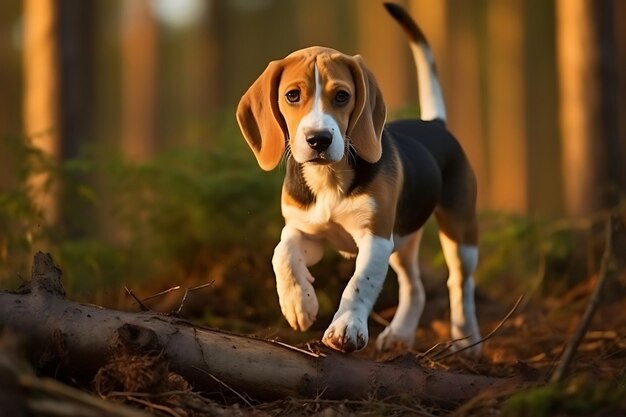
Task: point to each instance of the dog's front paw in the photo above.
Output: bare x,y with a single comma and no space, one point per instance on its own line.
298,303
347,332
396,340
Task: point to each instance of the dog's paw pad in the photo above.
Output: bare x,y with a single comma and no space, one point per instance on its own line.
346,333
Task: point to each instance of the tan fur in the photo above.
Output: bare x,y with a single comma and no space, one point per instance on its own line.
386,190
259,117
457,219
267,122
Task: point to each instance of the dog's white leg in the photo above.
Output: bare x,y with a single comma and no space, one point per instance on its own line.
292,255
348,330
462,261
401,331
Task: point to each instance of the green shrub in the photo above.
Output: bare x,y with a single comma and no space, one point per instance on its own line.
129,222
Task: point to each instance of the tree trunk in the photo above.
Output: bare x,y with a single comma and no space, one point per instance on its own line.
540,85
620,69
57,95
139,49
75,40
81,337
41,95
508,159
582,140
11,98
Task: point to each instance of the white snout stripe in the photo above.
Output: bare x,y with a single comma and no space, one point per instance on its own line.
317,119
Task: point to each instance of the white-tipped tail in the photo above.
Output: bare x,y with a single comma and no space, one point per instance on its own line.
430,97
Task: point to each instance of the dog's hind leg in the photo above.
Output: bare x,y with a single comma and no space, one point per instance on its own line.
401,331
458,233
461,260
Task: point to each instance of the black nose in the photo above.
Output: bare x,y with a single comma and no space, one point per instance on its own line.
320,140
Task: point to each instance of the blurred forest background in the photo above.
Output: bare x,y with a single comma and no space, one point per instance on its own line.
120,154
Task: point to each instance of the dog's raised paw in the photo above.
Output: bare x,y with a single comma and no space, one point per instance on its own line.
299,305
347,333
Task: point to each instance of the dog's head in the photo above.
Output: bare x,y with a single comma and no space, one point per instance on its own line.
319,100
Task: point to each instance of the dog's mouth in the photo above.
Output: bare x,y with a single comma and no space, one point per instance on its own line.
320,160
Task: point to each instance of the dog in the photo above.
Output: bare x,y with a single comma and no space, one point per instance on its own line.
364,186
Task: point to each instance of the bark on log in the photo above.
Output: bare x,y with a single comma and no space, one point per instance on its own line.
81,336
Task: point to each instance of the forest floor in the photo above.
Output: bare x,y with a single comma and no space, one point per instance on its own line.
526,347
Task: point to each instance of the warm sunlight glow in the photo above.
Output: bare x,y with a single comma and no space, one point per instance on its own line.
179,13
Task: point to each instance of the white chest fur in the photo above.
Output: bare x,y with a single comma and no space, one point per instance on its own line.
334,216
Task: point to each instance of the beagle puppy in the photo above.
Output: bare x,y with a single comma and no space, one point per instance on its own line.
364,186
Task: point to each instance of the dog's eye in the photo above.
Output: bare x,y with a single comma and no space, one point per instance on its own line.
342,97
293,96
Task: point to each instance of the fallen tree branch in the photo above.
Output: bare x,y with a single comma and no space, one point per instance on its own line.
82,337
24,393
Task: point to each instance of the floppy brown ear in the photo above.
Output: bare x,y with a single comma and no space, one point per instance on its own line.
260,119
368,117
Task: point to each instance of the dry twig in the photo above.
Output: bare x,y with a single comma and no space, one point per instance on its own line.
153,406
592,305
219,381
517,303
169,290
187,291
80,400
142,306
306,352
438,349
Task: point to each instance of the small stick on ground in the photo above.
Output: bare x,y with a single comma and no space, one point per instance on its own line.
199,287
142,306
187,291
152,406
306,352
440,348
169,290
594,301
447,355
75,397
219,381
